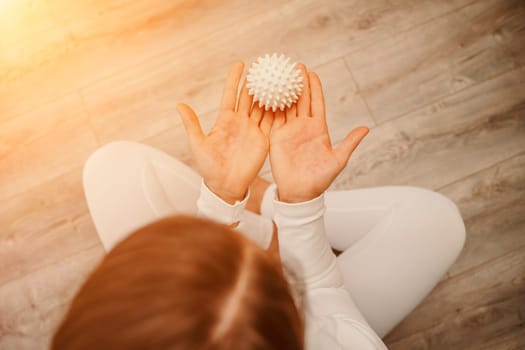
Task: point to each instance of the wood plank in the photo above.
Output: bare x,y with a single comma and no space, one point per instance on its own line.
504,21
511,32
32,307
21,20
469,310
43,207
32,156
492,189
429,62
492,203
25,82
27,128
345,108
26,30
23,254
337,28
95,39
506,339
511,339
495,231
430,7
446,141
152,89
174,140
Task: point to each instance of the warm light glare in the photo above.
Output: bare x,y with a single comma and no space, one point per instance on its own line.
7,6
21,20
21,13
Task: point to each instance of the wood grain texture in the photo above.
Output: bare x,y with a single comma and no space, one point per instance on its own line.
31,156
472,130
21,20
26,254
504,22
92,40
33,306
429,62
187,74
174,140
345,108
440,83
44,225
492,203
482,305
41,207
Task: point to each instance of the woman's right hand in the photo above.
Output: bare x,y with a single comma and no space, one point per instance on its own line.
303,162
232,153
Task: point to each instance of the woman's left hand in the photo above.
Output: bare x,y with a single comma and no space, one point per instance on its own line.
231,155
303,161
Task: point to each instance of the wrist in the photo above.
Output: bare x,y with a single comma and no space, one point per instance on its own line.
290,197
230,196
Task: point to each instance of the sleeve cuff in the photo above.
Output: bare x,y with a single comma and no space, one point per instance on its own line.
300,213
213,207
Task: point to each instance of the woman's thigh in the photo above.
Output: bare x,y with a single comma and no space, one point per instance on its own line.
128,185
400,241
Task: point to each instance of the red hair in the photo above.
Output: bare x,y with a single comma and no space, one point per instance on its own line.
183,283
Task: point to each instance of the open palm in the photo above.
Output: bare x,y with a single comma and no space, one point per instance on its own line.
233,152
304,164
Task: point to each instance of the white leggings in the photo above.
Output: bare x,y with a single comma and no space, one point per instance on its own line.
397,242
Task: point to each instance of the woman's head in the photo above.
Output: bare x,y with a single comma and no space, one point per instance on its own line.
183,283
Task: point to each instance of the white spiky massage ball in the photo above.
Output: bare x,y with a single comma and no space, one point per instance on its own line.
274,82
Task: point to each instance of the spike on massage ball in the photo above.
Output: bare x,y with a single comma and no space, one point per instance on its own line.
274,82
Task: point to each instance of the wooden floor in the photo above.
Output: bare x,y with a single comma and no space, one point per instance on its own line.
441,84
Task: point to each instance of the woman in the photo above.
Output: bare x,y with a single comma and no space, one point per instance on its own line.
188,283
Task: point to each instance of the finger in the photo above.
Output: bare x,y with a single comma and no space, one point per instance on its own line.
266,122
303,104
349,144
229,95
245,100
317,96
191,122
291,112
256,114
279,118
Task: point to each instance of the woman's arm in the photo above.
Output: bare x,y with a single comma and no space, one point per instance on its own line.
229,157
304,164
303,245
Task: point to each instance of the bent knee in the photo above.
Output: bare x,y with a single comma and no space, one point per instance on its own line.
440,216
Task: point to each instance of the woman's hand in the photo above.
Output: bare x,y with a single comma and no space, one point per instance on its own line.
304,164
231,155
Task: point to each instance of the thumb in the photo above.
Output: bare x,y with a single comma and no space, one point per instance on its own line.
190,121
349,144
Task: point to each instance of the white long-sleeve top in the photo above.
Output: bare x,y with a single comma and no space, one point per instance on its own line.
332,319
